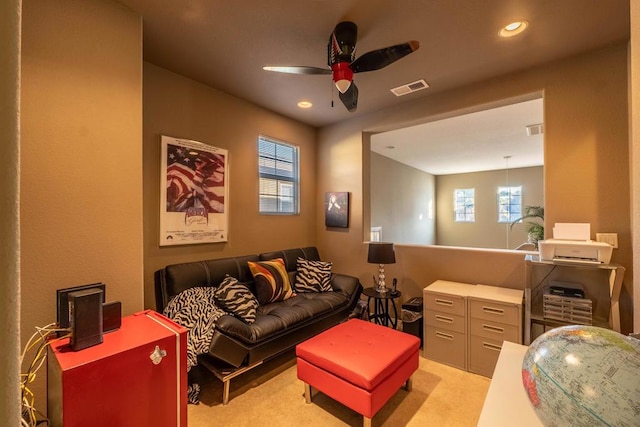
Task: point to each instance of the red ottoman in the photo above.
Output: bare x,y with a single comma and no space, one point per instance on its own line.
359,364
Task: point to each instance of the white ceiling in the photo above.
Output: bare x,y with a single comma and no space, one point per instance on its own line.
224,44
472,142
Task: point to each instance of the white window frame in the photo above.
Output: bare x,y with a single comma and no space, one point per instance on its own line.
279,173
462,210
504,199
376,234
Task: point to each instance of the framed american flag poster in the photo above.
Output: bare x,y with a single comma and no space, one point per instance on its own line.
194,192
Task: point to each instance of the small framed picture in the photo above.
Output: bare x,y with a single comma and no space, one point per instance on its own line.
336,209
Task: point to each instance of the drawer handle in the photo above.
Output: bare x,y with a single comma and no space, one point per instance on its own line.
444,318
444,302
492,310
492,328
445,336
490,346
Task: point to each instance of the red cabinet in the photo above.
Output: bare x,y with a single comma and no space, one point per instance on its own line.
136,377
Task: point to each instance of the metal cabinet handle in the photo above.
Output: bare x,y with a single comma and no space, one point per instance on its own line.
490,346
157,355
492,310
492,328
445,336
444,318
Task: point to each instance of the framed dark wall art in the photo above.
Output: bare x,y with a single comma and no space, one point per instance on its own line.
194,192
336,209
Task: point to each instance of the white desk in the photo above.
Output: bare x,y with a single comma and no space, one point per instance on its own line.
507,403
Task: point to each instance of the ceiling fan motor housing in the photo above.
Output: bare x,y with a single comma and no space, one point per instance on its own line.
342,43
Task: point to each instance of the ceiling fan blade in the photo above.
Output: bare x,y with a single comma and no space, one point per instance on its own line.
377,59
298,70
350,97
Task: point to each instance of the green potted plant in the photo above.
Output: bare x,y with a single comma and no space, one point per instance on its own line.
535,230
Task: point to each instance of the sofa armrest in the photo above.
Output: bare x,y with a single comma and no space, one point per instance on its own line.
234,327
348,285
226,348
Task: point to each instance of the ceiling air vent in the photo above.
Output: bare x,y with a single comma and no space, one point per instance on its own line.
535,129
410,87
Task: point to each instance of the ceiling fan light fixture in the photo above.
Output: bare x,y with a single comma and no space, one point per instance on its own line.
342,76
343,85
513,28
343,63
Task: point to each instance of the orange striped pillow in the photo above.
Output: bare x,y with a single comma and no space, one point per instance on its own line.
271,280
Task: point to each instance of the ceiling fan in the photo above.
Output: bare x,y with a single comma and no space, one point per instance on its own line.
343,64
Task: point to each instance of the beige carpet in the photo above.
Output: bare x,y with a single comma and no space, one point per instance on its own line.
272,395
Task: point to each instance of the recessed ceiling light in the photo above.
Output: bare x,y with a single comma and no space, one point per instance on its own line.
305,104
513,28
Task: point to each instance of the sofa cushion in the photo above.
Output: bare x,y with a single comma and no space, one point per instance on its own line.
175,278
290,256
313,276
271,281
236,298
279,317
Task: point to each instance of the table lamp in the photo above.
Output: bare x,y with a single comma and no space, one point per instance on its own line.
381,253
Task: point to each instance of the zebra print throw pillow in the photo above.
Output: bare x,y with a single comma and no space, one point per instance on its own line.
237,299
313,276
271,280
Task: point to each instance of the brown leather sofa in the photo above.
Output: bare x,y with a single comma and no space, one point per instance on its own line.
237,346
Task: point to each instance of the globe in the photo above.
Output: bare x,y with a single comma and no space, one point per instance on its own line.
583,376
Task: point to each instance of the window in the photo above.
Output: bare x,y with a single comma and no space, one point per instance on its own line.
464,204
376,234
278,170
509,203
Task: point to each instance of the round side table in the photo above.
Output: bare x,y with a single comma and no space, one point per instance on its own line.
381,314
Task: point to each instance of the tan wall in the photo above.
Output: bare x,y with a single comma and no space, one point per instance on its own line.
81,184
183,108
61,116
486,231
634,65
586,169
402,202
9,208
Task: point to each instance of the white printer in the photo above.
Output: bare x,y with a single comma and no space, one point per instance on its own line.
571,243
